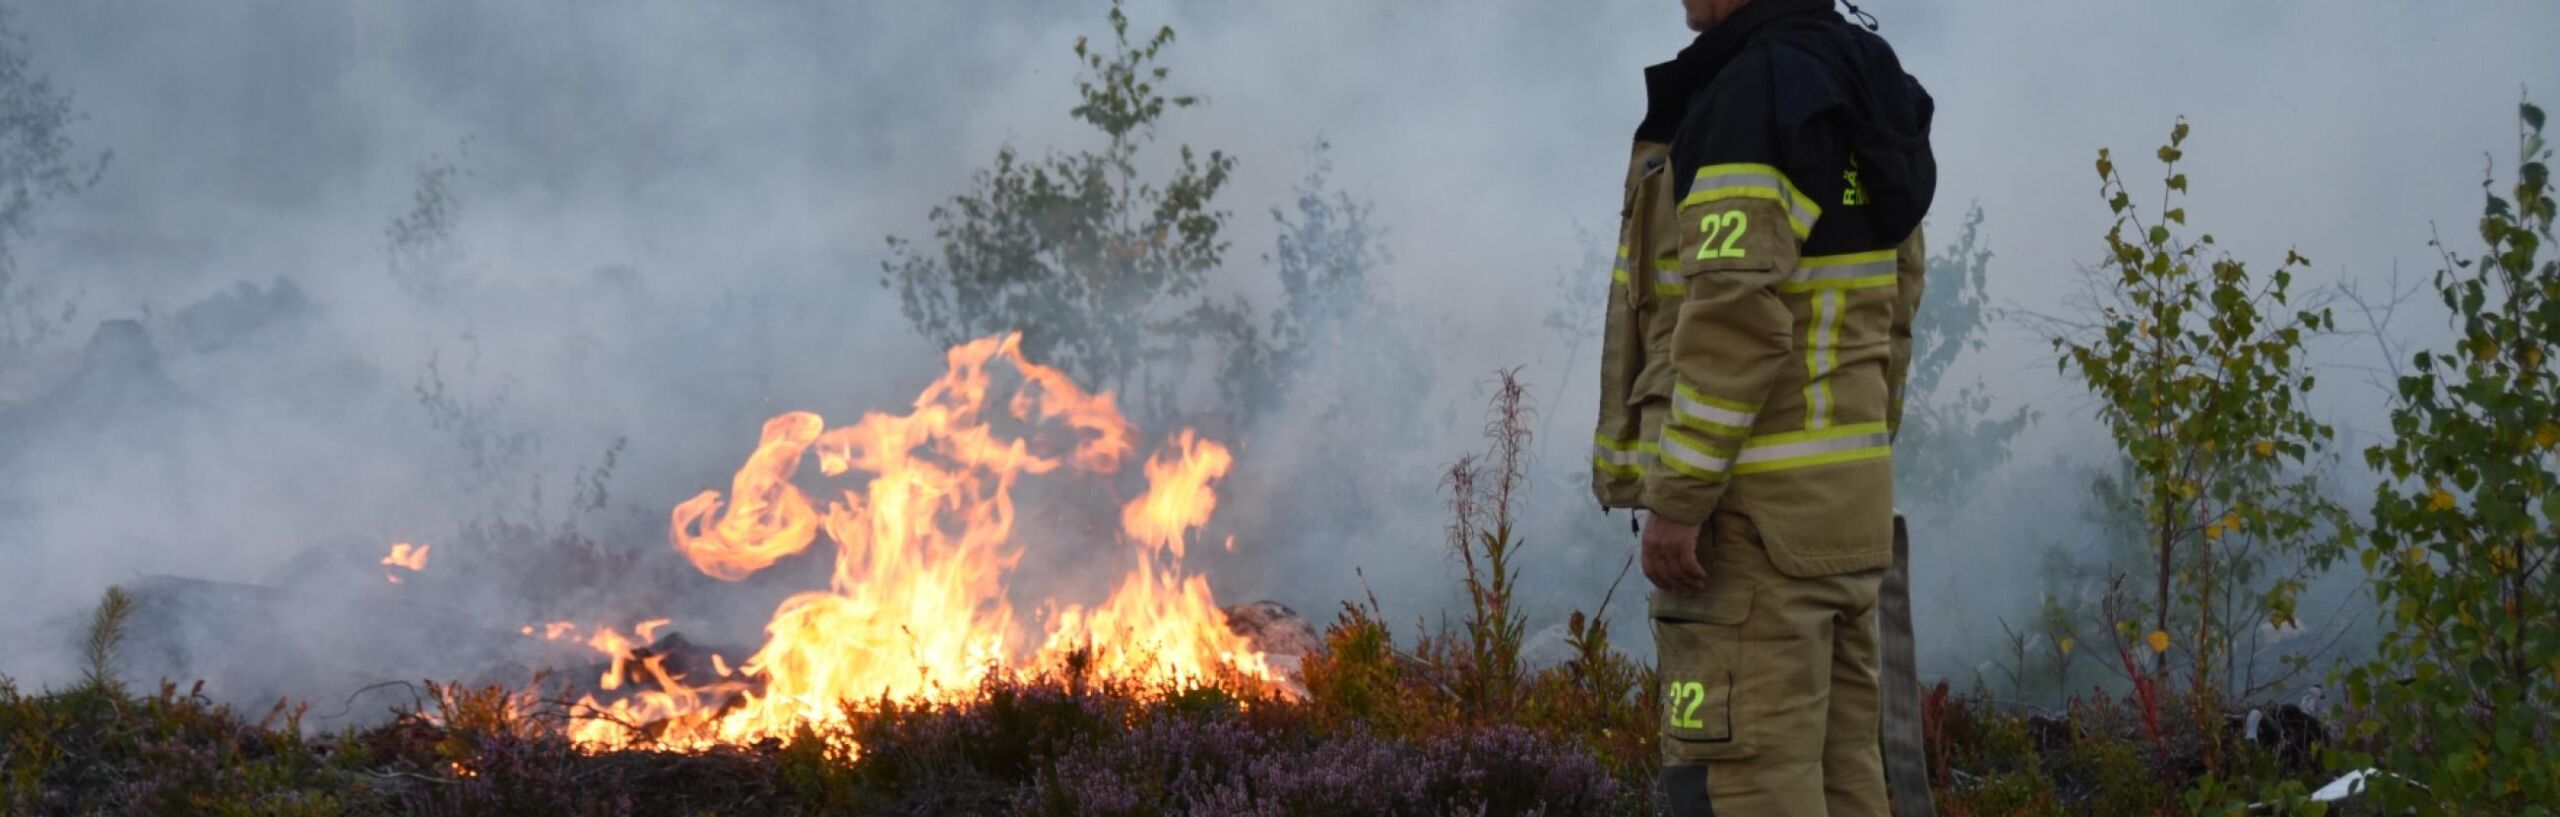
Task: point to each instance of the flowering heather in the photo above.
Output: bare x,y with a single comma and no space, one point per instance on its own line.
1223,766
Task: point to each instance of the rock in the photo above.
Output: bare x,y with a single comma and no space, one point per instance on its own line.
120,374
241,314
1274,629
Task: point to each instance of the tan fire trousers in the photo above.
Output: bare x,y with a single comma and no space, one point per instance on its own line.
1769,686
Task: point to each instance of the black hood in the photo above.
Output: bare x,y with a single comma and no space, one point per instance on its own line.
1850,83
1881,110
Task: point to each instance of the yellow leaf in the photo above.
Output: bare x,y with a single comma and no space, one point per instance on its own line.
2231,521
2502,560
2266,448
2159,641
2547,436
2213,532
2439,500
2068,642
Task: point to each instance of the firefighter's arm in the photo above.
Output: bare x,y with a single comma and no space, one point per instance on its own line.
1910,271
1742,228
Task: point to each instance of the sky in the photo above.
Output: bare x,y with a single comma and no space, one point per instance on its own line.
737,167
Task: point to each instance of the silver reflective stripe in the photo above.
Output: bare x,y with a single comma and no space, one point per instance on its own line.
1820,357
1689,408
1757,454
1682,453
1814,270
1667,278
1801,211
1632,458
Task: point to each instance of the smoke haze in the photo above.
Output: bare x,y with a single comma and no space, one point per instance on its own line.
668,222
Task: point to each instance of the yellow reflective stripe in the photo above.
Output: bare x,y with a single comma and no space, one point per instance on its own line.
1621,457
1695,458
1666,275
1836,284
1821,355
1755,181
1615,444
1881,450
1854,259
1805,449
1863,270
1607,467
1666,278
1723,417
1793,437
1719,402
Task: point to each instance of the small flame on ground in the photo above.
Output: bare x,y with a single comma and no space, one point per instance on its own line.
406,557
648,630
553,631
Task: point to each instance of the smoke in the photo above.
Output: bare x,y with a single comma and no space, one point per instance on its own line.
666,224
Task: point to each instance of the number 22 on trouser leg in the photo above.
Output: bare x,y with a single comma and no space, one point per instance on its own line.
1697,684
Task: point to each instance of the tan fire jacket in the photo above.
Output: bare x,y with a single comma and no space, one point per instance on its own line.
1740,373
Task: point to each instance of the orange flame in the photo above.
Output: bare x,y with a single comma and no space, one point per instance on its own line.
1179,497
405,557
916,606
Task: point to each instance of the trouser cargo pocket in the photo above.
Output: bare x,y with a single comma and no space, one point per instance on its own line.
1702,657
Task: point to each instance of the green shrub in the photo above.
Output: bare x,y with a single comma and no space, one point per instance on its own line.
2465,547
2199,368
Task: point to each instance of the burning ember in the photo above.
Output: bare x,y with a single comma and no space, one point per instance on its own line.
406,558
923,535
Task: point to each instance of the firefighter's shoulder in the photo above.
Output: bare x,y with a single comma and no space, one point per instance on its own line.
1760,114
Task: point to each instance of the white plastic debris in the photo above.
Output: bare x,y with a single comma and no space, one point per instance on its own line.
2347,785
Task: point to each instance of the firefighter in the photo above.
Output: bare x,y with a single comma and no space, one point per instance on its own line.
1757,338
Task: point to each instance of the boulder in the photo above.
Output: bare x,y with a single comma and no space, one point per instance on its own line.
1275,629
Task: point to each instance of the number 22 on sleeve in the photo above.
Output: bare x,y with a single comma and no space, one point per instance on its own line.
1728,226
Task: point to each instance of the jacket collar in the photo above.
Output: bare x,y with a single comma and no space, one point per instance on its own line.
1668,86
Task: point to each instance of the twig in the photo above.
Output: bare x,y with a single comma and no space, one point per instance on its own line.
397,775
349,705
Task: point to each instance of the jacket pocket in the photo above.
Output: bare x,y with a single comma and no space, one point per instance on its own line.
1637,229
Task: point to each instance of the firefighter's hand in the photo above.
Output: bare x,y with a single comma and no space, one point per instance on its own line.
1671,555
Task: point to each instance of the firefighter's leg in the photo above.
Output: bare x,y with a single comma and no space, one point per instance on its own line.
1852,754
1745,668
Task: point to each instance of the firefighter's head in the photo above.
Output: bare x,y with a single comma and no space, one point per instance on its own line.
1704,13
